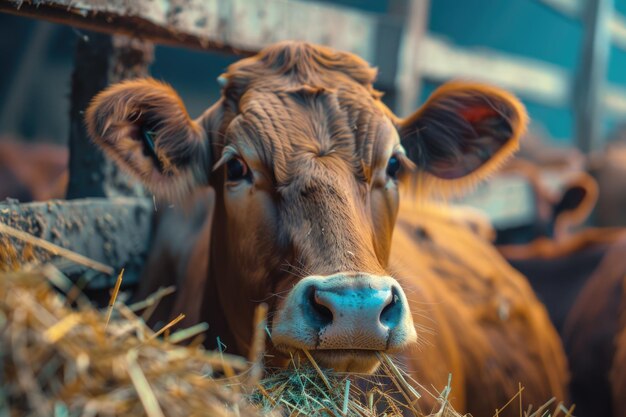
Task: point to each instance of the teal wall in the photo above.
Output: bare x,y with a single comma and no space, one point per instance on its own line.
525,28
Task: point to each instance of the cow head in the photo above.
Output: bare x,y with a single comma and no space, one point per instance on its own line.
305,161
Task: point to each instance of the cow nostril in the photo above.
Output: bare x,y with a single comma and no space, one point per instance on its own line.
321,314
392,312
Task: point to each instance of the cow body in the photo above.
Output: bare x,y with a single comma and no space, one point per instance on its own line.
304,165
553,250
608,167
32,171
558,270
488,328
578,273
593,337
478,318
617,374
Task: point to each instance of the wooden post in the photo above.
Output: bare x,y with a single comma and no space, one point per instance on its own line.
408,78
100,60
591,79
21,78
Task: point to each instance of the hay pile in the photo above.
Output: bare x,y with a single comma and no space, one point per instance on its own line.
62,357
59,361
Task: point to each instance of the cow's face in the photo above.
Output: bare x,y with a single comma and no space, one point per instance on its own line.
306,160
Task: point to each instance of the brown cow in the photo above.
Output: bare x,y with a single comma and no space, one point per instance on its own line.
608,167
488,326
304,162
562,199
617,374
554,251
594,338
32,171
578,272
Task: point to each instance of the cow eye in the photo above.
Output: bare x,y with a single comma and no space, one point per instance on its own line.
237,170
393,167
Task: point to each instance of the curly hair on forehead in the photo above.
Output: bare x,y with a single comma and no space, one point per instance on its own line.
292,63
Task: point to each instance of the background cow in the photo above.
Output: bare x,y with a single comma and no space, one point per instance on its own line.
32,171
593,336
618,366
305,162
486,323
555,251
608,167
577,270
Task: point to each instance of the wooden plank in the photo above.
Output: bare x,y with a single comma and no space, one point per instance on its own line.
570,8
147,20
115,232
234,26
507,200
546,83
614,100
408,78
617,28
591,79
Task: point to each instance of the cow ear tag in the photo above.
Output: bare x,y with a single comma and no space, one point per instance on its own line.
148,141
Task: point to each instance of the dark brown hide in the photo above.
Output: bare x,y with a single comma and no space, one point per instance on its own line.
179,257
589,337
608,167
578,275
487,328
617,375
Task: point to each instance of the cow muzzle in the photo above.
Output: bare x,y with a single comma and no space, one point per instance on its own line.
344,315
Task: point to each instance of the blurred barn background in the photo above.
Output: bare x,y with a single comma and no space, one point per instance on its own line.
565,58
553,53
557,210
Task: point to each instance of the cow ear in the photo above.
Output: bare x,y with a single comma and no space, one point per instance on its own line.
143,125
576,204
464,132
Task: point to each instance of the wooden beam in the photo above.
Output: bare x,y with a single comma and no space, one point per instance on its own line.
114,231
233,26
440,60
592,74
614,100
570,8
409,78
506,199
140,19
617,28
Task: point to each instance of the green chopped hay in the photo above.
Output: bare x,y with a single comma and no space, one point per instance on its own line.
302,390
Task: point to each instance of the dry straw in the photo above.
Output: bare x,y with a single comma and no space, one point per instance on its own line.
61,361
